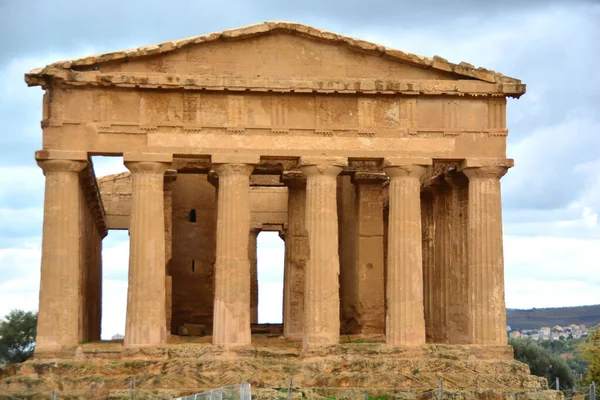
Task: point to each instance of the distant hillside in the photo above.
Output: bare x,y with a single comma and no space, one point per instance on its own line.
539,317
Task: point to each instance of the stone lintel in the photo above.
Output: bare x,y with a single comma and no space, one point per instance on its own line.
322,161
43,155
235,159
272,227
369,178
147,157
406,161
486,162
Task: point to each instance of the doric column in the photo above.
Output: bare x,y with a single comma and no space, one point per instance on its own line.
405,323
169,182
428,235
370,291
296,254
146,298
252,236
321,288
485,252
60,284
231,320
459,312
437,274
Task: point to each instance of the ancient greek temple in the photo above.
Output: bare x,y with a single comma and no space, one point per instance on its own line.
380,170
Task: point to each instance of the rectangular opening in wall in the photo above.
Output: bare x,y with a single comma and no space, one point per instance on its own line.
270,259
114,184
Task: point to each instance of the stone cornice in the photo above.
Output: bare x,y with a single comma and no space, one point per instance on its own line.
436,63
468,87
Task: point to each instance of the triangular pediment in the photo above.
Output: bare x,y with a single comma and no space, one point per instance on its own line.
274,50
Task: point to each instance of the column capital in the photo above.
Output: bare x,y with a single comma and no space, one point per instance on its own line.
148,157
147,162
293,179
62,165
328,166
146,167
374,178
398,167
491,168
61,161
224,170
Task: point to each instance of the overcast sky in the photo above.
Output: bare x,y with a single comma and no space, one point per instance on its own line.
551,197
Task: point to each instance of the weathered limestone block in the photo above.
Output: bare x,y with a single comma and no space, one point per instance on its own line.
296,254
252,236
60,283
405,322
146,298
370,290
348,253
169,179
321,290
428,236
231,318
438,283
485,251
459,298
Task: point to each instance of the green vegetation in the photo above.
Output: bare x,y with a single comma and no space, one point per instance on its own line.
537,317
591,354
543,362
17,336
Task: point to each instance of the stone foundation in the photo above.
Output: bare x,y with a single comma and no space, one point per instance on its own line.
352,367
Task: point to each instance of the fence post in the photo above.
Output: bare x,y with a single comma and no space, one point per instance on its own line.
289,394
439,390
54,395
593,391
557,386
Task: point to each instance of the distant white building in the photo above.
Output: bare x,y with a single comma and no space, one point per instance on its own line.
117,336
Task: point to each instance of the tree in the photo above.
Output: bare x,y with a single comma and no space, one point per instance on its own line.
17,336
591,353
542,362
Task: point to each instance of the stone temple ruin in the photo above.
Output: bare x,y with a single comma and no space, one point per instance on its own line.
380,169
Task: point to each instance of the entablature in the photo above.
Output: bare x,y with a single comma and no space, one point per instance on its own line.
468,87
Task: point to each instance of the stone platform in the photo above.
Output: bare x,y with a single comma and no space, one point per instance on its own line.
353,367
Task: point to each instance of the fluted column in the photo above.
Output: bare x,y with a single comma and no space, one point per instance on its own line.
428,235
60,284
231,320
405,323
146,298
368,301
438,272
485,251
296,254
169,181
321,288
459,301
252,236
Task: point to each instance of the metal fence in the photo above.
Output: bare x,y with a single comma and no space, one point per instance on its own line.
233,392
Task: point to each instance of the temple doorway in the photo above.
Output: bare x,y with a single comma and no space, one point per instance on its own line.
270,254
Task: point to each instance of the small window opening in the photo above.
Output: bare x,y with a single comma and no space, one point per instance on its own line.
193,265
193,215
